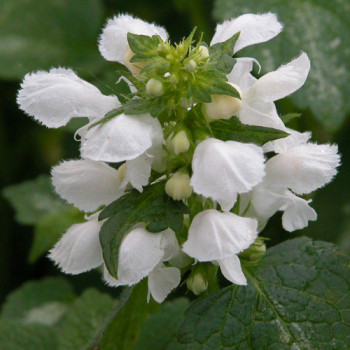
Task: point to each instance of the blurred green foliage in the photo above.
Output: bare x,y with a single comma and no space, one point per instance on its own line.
38,34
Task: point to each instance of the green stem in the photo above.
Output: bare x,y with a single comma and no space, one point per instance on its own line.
96,340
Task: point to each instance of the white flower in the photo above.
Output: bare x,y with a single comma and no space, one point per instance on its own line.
79,249
124,137
253,29
302,169
54,97
113,41
258,95
221,170
215,236
141,254
86,184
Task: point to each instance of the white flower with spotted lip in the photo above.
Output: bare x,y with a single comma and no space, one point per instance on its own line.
215,236
222,170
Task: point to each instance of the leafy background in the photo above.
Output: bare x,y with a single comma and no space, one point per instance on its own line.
37,34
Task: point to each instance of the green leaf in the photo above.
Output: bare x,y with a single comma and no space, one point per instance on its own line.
208,82
290,116
222,54
123,332
36,34
232,129
320,28
144,47
152,207
17,336
298,297
50,228
35,294
159,332
84,319
33,200
157,66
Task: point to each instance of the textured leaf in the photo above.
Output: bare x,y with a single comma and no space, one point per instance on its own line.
36,34
222,54
321,29
152,207
208,82
123,332
33,200
144,47
232,129
85,318
49,230
35,294
17,336
298,297
159,332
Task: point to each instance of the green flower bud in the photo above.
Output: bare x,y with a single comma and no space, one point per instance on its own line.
223,106
255,252
178,186
204,52
154,88
179,143
197,283
190,66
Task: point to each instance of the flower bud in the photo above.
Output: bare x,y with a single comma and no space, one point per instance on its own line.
223,106
190,66
255,252
197,283
121,173
134,67
178,186
154,88
179,143
203,51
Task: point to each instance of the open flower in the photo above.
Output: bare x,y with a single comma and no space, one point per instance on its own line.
215,236
222,169
301,169
258,95
142,254
54,97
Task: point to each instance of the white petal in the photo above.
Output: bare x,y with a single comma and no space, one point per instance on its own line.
139,254
124,137
162,280
113,40
254,29
86,184
303,168
297,213
54,97
223,169
138,171
169,244
282,82
215,236
265,202
240,74
79,248
232,270
283,145
261,114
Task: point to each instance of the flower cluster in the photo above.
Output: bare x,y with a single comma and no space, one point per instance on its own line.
196,136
